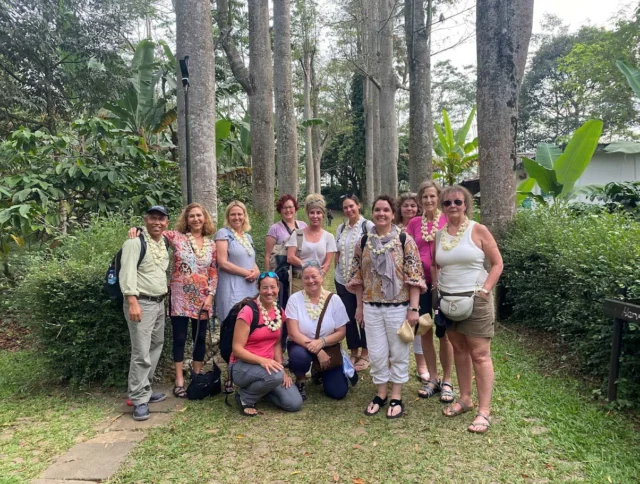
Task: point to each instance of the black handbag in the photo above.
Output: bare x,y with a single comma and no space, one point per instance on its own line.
207,384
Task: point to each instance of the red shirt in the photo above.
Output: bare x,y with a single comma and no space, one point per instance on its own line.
262,341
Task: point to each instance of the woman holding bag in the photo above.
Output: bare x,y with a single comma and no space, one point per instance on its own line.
461,249
316,322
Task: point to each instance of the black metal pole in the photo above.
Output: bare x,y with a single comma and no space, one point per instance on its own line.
614,366
184,68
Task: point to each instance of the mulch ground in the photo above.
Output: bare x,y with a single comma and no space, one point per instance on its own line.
13,335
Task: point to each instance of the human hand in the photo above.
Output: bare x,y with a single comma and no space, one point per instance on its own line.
286,381
133,233
135,313
484,295
271,365
412,317
314,346
360,316
324,359
208,303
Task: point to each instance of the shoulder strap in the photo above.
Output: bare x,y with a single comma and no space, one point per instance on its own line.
324,310
363,241
289,231
166,242
255,318
339,230
438,235
403,239
299,238
143,249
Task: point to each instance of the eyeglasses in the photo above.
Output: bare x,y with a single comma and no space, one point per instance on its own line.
458,202
268,274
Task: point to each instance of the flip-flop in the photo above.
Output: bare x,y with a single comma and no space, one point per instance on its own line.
451,411
362,363
376,401
396,403
484,426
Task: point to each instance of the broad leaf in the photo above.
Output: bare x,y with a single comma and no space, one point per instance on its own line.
577,155
461,135
441,138
447,128
546,178
632,75
524,189
547,154
628,147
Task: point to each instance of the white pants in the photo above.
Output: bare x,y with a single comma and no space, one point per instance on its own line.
388,354
417,345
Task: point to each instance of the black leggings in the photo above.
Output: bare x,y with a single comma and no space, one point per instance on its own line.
180,326
356,337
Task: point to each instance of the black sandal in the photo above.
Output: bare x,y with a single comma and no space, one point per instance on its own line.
376,401
179,392
242,407
396,403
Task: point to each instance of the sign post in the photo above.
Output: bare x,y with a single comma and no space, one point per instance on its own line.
623,313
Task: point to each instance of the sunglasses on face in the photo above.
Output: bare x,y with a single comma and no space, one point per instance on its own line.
268,274
457,202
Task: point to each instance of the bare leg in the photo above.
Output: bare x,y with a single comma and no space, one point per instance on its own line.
197,366
446,358
429,353
463,369
421,364
179,374
480,350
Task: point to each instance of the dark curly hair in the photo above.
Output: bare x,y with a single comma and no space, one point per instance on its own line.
284,199
386,198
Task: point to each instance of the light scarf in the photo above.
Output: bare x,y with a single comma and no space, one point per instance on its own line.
384,265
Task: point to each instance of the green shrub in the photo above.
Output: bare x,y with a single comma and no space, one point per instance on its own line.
559,268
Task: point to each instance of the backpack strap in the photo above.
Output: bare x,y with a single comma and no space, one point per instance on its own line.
255,319
403,240
299,240
289,231
143,249
339,231
363,241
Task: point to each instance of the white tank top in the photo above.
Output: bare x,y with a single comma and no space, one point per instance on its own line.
461,268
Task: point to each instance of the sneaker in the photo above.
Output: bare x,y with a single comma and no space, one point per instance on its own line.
157,397
303,393
141,412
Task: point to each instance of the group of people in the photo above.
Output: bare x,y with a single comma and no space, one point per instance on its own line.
419,255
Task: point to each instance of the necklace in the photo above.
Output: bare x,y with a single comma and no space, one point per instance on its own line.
347,252
448,245
202,252
385,247
430,235
158,249
272,324
243,240
314,312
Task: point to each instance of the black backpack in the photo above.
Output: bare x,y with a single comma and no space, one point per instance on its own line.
112,276
363,240
228,326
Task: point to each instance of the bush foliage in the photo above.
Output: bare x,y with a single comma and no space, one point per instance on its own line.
559,268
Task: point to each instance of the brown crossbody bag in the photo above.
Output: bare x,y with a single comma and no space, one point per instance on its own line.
334,351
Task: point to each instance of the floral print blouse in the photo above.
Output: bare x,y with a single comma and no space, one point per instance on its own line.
193,278
408,268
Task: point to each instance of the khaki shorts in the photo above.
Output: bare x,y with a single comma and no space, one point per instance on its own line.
480,323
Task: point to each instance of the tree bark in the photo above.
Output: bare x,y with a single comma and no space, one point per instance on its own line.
503,30
368,139
194,37
310,181
261,109
317,148
286,123
388,85
418,36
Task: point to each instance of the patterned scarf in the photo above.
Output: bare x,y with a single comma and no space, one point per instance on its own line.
384,265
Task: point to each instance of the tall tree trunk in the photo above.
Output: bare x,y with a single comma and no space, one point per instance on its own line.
503,30
373,65
388,86
261,109
194,37
418,37
315,130
310,181
368,139
286,123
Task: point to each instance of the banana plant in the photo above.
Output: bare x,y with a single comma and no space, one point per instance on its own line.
453,154
555,171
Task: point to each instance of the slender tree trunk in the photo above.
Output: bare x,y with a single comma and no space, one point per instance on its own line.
261,109
388,86
418,37
315,130
286,123
374,91
194,37
368,129
310,182
503,30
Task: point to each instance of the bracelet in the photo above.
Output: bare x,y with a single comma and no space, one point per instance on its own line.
417,310
324,342
486,291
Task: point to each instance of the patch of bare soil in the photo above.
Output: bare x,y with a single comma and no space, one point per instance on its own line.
13,335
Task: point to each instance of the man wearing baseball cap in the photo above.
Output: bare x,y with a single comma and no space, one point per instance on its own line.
144,287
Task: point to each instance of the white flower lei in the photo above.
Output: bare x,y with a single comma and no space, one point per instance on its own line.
272,324
430,236
202,252
158,249
385,247
446,245
314,313
347,253
243,240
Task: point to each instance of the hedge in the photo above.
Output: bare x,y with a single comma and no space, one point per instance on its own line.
560,265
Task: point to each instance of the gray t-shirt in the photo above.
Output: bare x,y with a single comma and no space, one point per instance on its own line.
311,251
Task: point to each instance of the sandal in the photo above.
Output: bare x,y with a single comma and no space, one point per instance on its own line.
380,402
301,389
482,425
447,395
228,386
453,411
429,389
396,403
242,407
179,392
362,363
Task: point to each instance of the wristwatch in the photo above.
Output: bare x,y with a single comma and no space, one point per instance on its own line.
417,310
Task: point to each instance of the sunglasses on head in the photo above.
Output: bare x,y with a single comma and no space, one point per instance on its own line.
268,274
448,203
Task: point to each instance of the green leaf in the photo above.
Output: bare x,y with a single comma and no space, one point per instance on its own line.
524,189
447,129
442,139
632,75
577,155
628,147
314,122
547,154
461,135
584,190
546,178
24,210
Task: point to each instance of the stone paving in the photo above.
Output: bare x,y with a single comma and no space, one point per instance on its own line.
98,459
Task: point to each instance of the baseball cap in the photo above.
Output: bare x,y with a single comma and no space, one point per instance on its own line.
159,208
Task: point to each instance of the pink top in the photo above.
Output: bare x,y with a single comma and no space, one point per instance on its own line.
262,341
414,229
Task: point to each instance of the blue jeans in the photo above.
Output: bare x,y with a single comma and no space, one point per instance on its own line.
334,382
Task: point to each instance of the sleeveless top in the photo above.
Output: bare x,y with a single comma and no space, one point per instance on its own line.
461,268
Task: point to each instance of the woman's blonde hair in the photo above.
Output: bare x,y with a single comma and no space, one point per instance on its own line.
246,227
397,219
182,224
468,198
423,188
314,200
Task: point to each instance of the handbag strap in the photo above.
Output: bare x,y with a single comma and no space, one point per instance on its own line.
202,310
324,310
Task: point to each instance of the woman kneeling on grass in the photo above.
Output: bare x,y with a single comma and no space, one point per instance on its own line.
387,278
256,361
306,310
